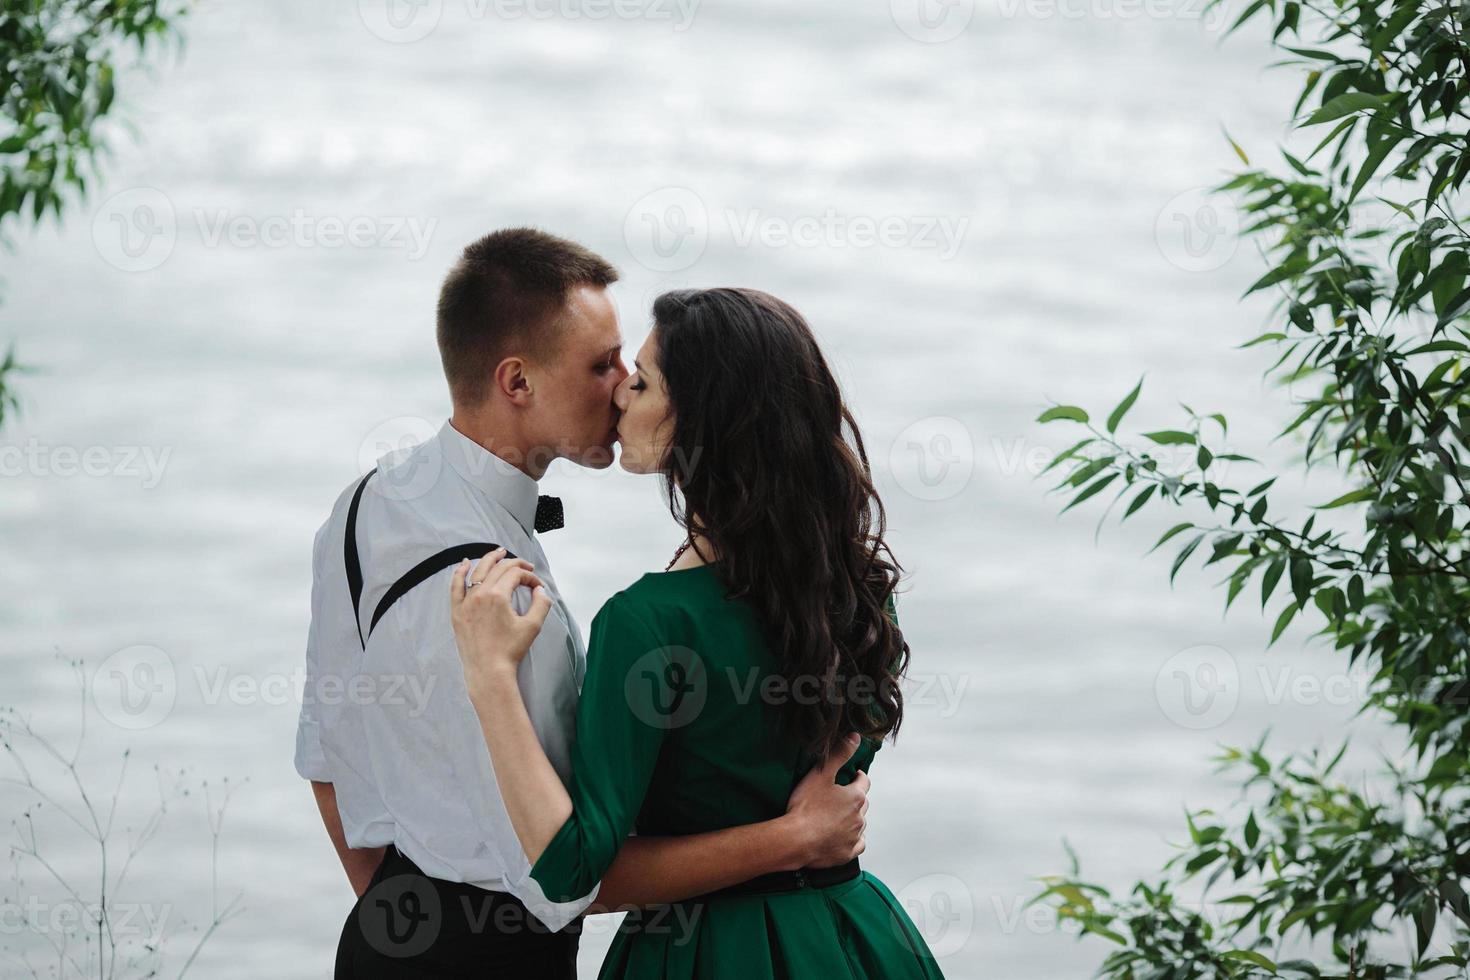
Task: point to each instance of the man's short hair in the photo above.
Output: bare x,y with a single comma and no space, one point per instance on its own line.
505,296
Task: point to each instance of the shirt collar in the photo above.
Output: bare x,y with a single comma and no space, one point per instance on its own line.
491,475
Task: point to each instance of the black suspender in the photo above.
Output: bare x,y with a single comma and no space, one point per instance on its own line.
354,564
413,577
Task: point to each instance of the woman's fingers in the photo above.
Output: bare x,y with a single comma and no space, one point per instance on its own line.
456,584
485,567
512,578
508,569
506,566
540,606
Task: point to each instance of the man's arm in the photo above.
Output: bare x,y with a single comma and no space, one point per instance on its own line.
824,826
359,863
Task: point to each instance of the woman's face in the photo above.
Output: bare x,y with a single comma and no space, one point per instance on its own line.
646,424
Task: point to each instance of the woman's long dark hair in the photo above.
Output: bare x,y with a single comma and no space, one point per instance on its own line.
767,474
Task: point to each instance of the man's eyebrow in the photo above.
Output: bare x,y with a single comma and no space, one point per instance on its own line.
612,350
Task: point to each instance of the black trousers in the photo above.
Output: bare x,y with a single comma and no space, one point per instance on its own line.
409,926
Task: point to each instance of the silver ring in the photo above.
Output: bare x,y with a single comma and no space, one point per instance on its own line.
470,585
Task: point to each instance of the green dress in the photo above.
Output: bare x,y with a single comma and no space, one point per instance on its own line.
676,734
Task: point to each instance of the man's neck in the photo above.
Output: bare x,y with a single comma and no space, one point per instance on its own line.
500,439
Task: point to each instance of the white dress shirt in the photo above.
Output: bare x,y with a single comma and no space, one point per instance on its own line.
391,726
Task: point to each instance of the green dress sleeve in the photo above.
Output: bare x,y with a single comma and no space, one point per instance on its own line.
622,719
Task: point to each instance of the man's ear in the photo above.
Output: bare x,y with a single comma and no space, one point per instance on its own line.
511,380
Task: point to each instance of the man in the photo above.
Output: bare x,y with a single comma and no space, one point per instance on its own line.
530,345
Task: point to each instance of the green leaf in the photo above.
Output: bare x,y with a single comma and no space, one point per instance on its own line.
1375,158
1272,576
1236,147
1068,454
1282,621
1171,437
1183,556
1343,105
1301,579
1123,406
1139,501
1169,534
1071,412
1090,491
1356,496
1250,956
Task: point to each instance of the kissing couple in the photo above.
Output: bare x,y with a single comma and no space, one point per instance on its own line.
702,762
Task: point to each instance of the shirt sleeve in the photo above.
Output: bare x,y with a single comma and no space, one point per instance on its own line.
443,738
311,762
631,698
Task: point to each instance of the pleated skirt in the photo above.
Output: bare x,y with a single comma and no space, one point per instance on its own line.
856,930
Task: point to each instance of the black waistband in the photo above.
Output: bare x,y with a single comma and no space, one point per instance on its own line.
789,881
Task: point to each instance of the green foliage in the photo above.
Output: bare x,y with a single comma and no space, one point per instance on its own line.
1372,307
57,83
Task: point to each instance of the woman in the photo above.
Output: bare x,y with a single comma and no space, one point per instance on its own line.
713,686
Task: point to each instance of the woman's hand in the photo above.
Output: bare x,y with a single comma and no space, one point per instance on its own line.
492,637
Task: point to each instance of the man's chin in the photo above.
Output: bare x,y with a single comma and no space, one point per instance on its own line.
598,457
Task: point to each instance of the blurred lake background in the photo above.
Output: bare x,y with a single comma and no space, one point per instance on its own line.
982,208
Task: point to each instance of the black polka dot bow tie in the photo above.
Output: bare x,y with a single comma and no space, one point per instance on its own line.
549,515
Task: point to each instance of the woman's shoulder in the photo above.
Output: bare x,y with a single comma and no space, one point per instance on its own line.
680,586
656,598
